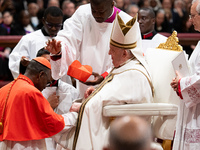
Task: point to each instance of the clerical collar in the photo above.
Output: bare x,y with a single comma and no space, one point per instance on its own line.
149,35
54,83
112,16
44,32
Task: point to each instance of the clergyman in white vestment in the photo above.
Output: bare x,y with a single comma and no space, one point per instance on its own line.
85,36
187,135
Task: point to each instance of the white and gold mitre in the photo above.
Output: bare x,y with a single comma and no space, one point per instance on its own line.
128,36
124,35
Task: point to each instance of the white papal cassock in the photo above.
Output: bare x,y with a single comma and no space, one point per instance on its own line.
188,123
86,40
129,85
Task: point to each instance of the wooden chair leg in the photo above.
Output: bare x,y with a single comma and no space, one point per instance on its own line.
167,144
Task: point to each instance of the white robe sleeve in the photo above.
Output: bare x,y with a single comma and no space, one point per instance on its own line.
71,38
21,49
67,93
190,89
66,136
190,85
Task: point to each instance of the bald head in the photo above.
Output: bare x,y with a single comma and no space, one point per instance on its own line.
130,133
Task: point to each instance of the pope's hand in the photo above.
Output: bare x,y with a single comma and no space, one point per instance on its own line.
75,107
89,91
53,46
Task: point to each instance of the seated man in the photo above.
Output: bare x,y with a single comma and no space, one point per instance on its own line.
150,38
128,82
129,133
26,116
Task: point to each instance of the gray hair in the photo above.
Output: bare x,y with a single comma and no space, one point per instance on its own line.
162,11
198,5
130,6
129,53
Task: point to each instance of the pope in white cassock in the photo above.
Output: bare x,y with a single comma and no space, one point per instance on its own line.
188,88
85,36
128,82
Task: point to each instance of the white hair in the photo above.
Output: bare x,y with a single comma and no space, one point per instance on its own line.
161,11
198,5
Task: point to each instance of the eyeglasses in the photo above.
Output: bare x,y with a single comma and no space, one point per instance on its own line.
192,16
50,25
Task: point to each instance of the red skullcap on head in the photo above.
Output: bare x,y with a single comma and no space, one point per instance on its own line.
43,61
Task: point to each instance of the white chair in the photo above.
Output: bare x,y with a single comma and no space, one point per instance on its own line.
163,111
163,116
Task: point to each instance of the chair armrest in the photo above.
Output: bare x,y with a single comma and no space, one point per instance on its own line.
144,109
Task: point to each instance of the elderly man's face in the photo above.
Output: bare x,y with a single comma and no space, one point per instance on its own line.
195,17
102,11
116,55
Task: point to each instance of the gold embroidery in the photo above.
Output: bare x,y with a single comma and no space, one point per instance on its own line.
126,27
125,46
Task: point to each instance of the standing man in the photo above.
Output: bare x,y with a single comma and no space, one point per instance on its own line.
188,122
150,38
31,43
85,36
26,116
